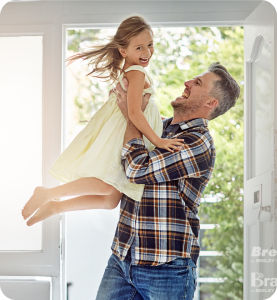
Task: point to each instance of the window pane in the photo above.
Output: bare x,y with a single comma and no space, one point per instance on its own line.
21,138
208,265
205,293
85,94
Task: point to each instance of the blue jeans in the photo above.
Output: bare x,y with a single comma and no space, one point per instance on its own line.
175,280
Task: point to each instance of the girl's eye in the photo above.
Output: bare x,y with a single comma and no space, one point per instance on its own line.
150,45
138,48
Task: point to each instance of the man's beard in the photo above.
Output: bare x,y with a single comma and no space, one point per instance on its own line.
185,107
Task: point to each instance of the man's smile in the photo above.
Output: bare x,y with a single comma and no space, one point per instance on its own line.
185,94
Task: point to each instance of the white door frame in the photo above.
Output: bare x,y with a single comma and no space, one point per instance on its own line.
259,223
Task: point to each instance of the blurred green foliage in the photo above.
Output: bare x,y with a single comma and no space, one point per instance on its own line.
181,54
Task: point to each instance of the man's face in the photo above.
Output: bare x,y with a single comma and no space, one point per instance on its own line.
196,94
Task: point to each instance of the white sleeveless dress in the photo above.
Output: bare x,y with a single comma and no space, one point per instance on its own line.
96,150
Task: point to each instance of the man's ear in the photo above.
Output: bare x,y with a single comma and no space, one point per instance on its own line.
212,103
122,52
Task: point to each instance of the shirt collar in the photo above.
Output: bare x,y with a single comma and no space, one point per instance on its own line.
194,123
188,123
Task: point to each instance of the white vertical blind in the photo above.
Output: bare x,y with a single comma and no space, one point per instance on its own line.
20,138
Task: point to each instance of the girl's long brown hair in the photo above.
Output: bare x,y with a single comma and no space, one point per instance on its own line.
106,59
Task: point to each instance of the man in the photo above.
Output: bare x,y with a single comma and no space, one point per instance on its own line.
155,248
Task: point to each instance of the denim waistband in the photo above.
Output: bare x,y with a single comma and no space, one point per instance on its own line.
185,261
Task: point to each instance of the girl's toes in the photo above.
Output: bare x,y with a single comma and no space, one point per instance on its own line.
29,223
24,215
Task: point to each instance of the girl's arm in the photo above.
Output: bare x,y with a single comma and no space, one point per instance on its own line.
134,98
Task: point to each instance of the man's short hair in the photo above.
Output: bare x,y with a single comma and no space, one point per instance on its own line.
226,90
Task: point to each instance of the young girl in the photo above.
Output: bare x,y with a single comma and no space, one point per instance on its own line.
91,164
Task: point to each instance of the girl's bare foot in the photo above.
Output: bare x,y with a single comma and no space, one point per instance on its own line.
44,212
40,197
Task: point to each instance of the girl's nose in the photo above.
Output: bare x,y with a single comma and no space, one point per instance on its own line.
147,53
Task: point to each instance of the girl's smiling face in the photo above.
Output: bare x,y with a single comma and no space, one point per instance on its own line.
139,51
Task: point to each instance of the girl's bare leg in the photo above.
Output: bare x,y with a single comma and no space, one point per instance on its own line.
82,186
78,203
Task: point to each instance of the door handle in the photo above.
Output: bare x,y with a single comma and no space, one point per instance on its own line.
266,209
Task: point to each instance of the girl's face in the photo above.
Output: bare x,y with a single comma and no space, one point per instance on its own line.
140,49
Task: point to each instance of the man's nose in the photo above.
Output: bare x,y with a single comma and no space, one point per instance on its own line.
188,83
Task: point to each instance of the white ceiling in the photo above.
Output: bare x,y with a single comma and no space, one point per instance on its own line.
207,1
215,12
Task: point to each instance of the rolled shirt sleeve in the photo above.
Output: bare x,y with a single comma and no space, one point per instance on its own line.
160,165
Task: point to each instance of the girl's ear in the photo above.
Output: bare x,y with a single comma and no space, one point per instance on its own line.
122,52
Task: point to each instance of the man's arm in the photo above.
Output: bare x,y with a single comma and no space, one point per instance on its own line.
131,133
160,165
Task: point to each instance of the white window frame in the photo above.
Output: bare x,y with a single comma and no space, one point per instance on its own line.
48,261
44,262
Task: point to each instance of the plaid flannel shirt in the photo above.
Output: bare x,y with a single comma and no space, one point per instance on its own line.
164,225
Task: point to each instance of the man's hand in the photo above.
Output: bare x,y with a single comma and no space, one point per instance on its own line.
112,91
122,99
145,101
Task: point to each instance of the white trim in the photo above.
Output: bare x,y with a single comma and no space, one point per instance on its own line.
210,253
21,278
155,24
63,66
250,122
208,226
210,280
63,281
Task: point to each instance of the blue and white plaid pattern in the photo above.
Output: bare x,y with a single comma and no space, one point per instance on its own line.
164,225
